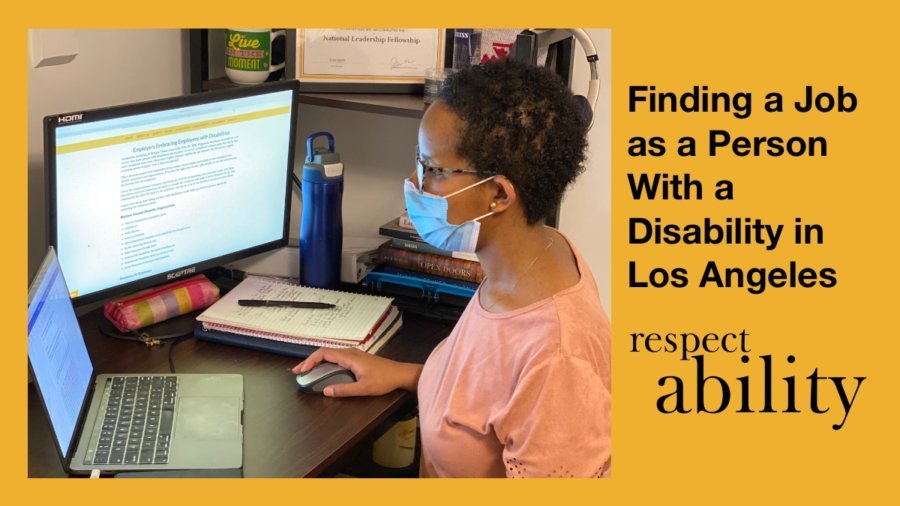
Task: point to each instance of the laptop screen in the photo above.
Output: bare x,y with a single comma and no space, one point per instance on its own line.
56,350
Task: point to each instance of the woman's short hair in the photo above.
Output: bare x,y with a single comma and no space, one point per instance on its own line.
520,121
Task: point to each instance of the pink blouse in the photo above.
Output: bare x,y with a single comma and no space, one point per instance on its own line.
524,393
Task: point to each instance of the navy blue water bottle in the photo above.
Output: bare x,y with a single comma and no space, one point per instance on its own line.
321,226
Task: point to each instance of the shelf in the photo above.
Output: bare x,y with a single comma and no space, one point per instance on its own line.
388,104
222,83
407,106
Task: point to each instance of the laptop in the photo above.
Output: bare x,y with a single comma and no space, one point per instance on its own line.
128,422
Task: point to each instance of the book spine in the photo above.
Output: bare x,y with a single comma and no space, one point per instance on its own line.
254,343
424,247
398,233
450,267
274,336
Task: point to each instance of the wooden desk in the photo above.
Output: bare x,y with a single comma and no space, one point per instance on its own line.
286,433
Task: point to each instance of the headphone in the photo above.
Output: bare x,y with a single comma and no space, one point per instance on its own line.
588,104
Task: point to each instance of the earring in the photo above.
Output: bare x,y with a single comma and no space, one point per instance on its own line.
493,205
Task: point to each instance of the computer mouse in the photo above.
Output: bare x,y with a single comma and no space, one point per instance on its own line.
316,379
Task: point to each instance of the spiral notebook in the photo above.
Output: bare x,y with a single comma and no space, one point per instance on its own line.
359,320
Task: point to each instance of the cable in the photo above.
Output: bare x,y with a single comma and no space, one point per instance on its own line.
172,348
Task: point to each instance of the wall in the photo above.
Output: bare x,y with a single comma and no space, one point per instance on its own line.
586,209
112,67
377,150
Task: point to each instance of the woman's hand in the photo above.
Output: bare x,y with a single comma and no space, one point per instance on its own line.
374,375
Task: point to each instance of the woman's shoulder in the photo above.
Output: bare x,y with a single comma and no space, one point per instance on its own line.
571,323
584,325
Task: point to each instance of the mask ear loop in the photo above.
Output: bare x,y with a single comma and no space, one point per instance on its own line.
474,220
493,204
473,185
485,215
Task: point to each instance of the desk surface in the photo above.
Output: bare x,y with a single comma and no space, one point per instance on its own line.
286,433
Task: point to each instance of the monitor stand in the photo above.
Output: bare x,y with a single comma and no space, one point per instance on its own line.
178,326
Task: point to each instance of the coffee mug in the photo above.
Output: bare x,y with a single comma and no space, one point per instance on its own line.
248,54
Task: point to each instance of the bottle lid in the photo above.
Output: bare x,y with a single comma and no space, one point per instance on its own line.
320,171
326,158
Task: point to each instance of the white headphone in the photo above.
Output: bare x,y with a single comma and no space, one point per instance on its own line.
589,103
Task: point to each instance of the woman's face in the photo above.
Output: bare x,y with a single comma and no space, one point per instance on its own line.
438,138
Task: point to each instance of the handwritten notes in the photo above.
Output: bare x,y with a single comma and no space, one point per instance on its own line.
353,319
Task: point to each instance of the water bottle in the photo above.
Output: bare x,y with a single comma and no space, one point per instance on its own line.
321,226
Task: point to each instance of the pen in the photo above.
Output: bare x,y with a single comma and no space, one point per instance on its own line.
284,303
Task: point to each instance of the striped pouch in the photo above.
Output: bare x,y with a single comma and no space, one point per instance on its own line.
161,303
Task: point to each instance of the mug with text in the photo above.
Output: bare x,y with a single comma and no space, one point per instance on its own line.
248,54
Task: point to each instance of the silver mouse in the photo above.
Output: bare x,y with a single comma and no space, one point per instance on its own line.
316,379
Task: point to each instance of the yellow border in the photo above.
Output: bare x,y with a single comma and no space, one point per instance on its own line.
660,459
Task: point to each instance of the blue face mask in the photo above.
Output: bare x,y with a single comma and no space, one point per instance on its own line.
428,214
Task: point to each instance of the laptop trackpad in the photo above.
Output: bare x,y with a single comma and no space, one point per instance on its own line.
201,418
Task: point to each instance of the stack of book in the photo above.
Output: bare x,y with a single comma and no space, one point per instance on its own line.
407,250
410,267
358,321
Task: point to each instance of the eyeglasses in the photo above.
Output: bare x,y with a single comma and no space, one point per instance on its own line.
423,168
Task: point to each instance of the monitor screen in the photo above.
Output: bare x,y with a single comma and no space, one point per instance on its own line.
145,193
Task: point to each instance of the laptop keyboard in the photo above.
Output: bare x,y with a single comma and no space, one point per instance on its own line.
137,426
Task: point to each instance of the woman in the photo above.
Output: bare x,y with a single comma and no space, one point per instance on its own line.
521,387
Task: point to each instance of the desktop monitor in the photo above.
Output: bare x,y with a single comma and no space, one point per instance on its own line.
146,193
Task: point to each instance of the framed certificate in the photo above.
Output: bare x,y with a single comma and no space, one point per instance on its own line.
368,60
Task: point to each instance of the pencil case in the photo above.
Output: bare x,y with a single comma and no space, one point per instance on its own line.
157,304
